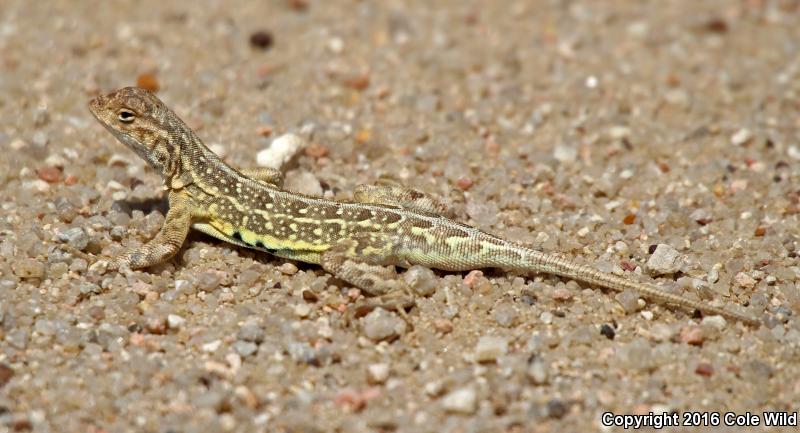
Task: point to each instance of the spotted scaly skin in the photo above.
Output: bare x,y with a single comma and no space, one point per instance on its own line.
356,241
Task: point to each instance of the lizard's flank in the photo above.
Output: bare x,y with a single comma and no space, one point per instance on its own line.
357,241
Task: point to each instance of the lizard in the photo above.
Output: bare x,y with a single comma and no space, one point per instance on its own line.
359,241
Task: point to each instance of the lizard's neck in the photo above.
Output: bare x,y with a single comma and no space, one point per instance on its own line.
194,162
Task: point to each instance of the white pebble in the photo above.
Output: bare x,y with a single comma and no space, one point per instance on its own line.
537,372
741,137
565,153
211,346
490,348
665,260
174,321
462,400
281,150
717,322
302,310
378,373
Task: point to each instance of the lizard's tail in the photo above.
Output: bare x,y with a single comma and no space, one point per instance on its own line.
538,261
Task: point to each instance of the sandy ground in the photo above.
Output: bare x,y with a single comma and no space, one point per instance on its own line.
596,130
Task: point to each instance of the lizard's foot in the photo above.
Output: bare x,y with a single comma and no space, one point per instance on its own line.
397,302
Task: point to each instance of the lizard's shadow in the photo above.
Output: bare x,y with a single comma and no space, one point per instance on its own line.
147,205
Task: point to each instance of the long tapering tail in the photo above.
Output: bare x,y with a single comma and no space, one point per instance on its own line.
537,261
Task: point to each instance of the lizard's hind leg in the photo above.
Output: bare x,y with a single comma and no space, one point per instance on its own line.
264,174
394,195
346,262
391,293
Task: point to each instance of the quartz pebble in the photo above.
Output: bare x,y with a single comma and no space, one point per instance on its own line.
244,348
281,150
717,322
378,373
381,325
75,237
664,260
304,182
422,280
489,348
462,400
251,332
744,281
537,372
175,321
692,335
741,137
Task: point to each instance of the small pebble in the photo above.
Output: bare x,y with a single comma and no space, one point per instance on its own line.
629,299
744,281
489,348
49,174
562,294
664,260
607,331
97,312
302,310
75,237
304,182
251,332
211,346
741,137
280,151
444,326
422,280
704,369
148,81
472,278
174,321
288,268
692,335
557,409
537,372
316,150
245,348
377,373
565,153
6,373
464,183
505,315
463,401
261,39
29,268
155,325
208,281
717,322
381,325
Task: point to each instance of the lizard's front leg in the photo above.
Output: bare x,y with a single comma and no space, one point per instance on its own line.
164,245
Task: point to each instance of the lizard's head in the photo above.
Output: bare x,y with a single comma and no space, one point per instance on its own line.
142,122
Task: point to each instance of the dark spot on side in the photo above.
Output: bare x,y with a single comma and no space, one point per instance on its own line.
362,214
329,212
423,224
237,236
391,217
261,245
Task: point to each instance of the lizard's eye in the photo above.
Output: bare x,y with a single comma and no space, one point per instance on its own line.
125,115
